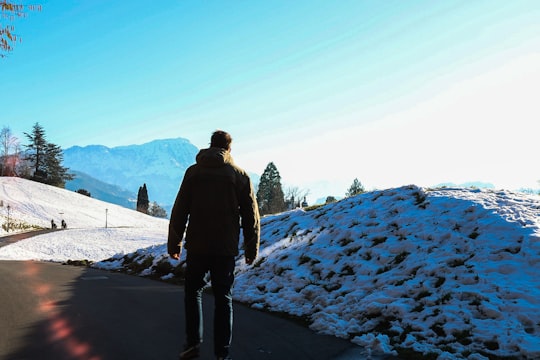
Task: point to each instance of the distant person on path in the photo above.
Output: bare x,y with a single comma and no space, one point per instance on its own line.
217,198
53,224
64,225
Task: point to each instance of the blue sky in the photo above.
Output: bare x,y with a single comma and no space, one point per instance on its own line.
389,92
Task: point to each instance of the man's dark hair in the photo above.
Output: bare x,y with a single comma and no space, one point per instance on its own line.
221,139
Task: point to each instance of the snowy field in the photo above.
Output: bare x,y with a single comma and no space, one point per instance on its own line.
449,273
95,229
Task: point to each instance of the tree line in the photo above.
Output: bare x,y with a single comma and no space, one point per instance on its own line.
144,206
272,199
40,160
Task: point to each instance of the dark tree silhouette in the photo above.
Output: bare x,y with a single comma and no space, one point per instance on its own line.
142,200
270,193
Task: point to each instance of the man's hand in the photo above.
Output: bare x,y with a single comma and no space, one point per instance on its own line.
175,256
249,261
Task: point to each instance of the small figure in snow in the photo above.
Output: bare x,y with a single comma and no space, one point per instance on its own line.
53,224
64,225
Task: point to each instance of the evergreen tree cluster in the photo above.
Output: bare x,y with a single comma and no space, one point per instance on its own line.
41,160
271,199
142,200
144,206
45,159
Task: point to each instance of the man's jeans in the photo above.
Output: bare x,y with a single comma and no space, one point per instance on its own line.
221,269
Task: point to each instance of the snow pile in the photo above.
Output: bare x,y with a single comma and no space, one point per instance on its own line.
449,273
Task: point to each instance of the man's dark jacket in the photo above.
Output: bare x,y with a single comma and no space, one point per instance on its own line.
216,198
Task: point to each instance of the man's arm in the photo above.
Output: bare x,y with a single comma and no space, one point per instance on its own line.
178,221
249,211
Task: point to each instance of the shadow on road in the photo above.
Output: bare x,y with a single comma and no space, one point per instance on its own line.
84,313
91,314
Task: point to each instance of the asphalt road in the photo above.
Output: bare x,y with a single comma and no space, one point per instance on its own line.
54,311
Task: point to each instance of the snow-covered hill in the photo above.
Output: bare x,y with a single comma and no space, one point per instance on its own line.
93,226
438,274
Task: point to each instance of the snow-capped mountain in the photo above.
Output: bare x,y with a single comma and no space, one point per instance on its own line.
160,164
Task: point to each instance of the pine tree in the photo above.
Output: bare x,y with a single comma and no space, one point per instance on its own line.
355,188
142,200
270,193
36,151
46,159
57,175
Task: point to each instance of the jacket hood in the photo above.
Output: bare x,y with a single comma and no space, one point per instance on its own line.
214,157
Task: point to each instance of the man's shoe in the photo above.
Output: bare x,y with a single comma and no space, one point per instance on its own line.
190,352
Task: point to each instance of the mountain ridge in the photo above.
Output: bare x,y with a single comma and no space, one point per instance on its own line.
160,164
103,191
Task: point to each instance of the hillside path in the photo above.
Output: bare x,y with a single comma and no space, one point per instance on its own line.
10,239
54,311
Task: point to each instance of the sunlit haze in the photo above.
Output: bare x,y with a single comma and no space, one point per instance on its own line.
389,92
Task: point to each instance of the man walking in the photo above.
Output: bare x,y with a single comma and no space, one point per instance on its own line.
215,200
